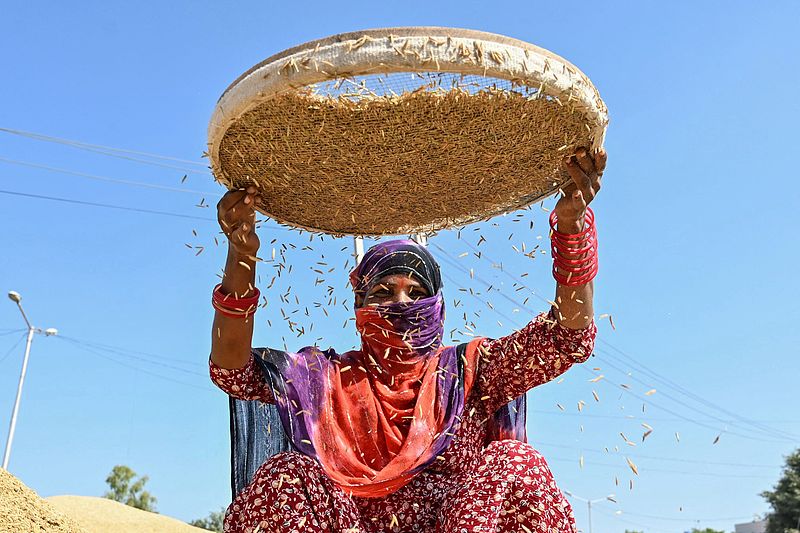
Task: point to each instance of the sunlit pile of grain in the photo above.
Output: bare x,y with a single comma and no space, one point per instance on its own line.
100,515
22,510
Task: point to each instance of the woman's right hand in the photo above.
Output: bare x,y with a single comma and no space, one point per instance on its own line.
237,218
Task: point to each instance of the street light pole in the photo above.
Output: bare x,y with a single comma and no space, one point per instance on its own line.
7,454
31,331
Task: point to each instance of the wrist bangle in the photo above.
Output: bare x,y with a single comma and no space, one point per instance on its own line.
588,224
574,255
234,307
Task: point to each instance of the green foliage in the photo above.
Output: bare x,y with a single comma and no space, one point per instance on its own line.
632,531
706,530
785,498
125,489
212,523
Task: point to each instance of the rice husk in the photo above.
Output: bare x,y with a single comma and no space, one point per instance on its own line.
417,162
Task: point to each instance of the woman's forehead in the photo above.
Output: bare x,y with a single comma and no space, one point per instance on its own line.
398,278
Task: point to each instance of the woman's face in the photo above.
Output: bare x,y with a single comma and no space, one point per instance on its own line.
396,288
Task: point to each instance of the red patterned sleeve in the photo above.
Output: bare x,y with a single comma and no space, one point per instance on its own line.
542,350
246,383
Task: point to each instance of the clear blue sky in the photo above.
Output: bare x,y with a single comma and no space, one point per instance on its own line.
697,223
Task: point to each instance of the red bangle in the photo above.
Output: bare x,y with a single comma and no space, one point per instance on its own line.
234,307
572,250
572,280
573,237
234,313
574,255
574,265
227,300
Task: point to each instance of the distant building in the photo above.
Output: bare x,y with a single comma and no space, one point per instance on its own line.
759,526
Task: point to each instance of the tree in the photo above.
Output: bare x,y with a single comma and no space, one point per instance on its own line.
212,523
706,530
785,498
125,490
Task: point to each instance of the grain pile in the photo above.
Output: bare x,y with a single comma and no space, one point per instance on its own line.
424,160
23,511
100,515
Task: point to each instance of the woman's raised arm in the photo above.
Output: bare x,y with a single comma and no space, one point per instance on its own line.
574,307
552,343
231,337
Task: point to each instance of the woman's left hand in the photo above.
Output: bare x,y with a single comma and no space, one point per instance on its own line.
586,172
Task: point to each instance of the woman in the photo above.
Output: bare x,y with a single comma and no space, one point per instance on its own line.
406,435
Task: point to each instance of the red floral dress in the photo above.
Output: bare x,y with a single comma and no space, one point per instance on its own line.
505,486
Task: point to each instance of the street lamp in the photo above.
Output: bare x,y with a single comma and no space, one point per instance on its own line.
17,299
589,503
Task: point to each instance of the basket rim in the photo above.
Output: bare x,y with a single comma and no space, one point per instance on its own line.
400,31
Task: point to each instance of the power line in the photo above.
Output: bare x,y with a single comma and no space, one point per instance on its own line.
127,351
111,151
106,178
777,434
10,350
148,360
668,382
637,524
652,373
651,402
656,457
760,427
124,208
672,518
645,469
452,261
637,418
685,418
108,206
136,368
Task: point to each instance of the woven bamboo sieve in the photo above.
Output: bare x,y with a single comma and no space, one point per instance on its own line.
403,130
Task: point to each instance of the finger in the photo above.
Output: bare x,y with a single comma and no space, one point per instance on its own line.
234,221
241,234
596,182
600,159
580,179
585,161
251,194
578,201
230,199
239,211
568,188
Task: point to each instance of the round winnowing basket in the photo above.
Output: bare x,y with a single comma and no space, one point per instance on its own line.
403,130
